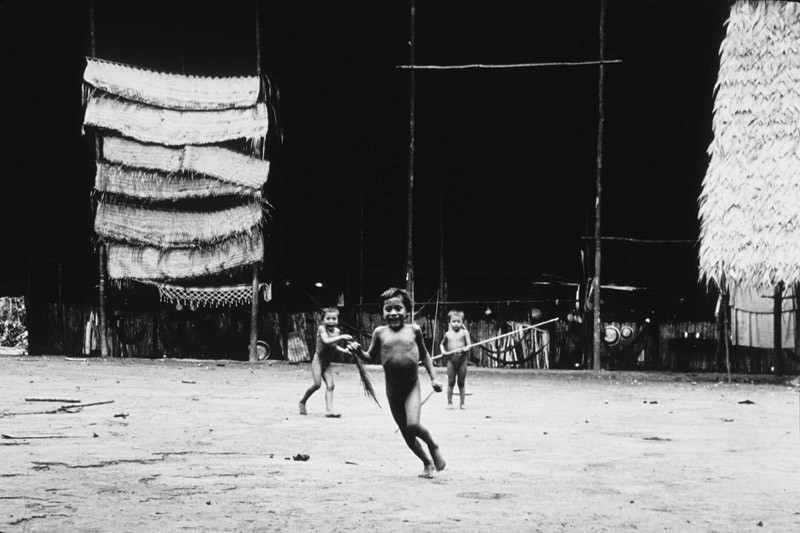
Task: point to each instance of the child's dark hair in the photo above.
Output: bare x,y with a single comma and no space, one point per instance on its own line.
326,310
394,291
455,313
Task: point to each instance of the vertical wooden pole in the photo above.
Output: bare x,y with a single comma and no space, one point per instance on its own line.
598,324
361,271
101,249
254,316
777,366
726,324
410,214
254,306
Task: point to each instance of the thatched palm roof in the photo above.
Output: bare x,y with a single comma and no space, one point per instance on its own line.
173,127
174,229
153,185
150,263
226,165
172,91
750,202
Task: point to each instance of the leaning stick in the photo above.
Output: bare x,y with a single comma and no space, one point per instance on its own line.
516,331
428,397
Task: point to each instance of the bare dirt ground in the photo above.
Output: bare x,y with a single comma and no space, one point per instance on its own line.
210,446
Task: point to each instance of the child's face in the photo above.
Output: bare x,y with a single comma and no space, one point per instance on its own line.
394,312
456,323
330,320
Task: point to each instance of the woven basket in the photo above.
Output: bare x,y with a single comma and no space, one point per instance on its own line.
172,91
171,127
220,163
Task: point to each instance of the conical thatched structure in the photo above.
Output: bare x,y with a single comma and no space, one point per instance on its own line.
750,202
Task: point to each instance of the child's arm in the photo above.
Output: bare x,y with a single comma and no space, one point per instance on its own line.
425,358
328,339
467,340
443,344
370,355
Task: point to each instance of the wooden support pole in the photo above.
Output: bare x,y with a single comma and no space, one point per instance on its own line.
361,271
598,324
410,214
777,366
101,249
254,317
101,266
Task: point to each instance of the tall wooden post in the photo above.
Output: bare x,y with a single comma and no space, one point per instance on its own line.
254,306
101,249
361,271
598,324
254,316
410,214
777,366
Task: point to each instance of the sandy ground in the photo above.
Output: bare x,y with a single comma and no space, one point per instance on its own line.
210,446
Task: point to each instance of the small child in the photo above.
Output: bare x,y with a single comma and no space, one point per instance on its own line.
456,338
399,347
328,337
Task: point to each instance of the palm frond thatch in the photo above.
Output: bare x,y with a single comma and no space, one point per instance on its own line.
223,164
126,261
172,91
366,382
154,185
174,229
749,208
172,127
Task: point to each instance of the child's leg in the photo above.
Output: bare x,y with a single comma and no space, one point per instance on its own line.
462,377
316,373
451,380
397,404
416,429
327,375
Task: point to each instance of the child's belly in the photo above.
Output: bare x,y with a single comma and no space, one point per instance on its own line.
400,370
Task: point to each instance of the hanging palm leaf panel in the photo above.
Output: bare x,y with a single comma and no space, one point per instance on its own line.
172,127
749,207
172,91
212,161
174,229
127,261
151,185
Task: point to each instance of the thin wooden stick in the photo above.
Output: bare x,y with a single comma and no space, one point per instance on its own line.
60,400
428,397
468,346
509,65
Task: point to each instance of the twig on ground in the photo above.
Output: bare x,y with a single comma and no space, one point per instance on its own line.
60,400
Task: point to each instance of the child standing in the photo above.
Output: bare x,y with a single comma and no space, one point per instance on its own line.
328,337
454,341
400,348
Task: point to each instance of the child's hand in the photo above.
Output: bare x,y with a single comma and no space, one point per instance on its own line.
436,385
347,337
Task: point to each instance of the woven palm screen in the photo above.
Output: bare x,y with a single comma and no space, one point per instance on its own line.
749,207
164,159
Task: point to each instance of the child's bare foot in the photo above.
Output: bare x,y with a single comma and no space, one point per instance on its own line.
427,472
332,415
438,460
449,405
302,407
462,406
